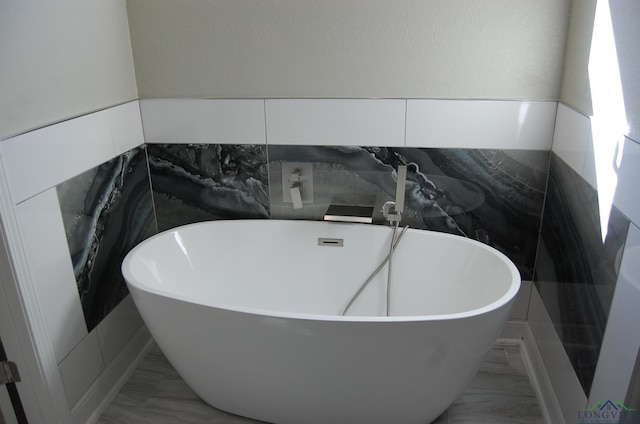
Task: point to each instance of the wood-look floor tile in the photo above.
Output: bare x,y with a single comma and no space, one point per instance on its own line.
500,393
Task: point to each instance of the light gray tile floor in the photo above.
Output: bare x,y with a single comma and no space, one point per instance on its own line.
501,393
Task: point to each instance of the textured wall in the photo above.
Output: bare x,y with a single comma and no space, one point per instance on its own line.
61,59
349,48
575,89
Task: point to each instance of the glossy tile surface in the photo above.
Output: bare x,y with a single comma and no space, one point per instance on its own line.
500,393
202,182
622,339
571,137
41,159
81,367
51,271
494,196
336,122
576,271
626,197
203,121
106,211
480,124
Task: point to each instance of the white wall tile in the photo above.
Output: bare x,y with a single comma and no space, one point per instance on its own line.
521,303
203,121
116,329
81,367
627,197
350,122
43,158
126,126
51,271
89,409
480,124
563,378
40,159
571,137
589,168
621,338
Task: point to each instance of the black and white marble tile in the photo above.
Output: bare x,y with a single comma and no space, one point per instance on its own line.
495,196
201,182
576,270
106,211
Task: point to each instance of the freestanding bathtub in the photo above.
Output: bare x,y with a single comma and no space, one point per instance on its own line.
248,313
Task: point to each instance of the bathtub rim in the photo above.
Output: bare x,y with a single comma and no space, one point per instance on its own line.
503,300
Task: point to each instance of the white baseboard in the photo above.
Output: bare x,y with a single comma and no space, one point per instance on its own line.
89,408
519,333
512,330
551,410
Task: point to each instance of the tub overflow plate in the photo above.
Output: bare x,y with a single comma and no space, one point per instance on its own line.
335,242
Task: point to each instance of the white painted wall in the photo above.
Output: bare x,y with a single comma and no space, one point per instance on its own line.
61,59
454,49
575,89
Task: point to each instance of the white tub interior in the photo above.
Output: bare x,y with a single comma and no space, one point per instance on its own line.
278,268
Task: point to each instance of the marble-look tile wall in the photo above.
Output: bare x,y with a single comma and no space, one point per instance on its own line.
461,180
92,169
106,211
583,312
577,270
494,196
201,182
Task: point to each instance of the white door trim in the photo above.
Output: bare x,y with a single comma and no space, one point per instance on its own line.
22,327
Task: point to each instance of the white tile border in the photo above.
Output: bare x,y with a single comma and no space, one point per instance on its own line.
484,124
571,137
215,121
621,338
589,168
117,329
125,124
336,122
98,396
41,159
46,250
480,124
553,359
81,367
627,195
521,304
540,381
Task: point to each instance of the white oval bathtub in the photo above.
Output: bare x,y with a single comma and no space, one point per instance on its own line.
248,312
